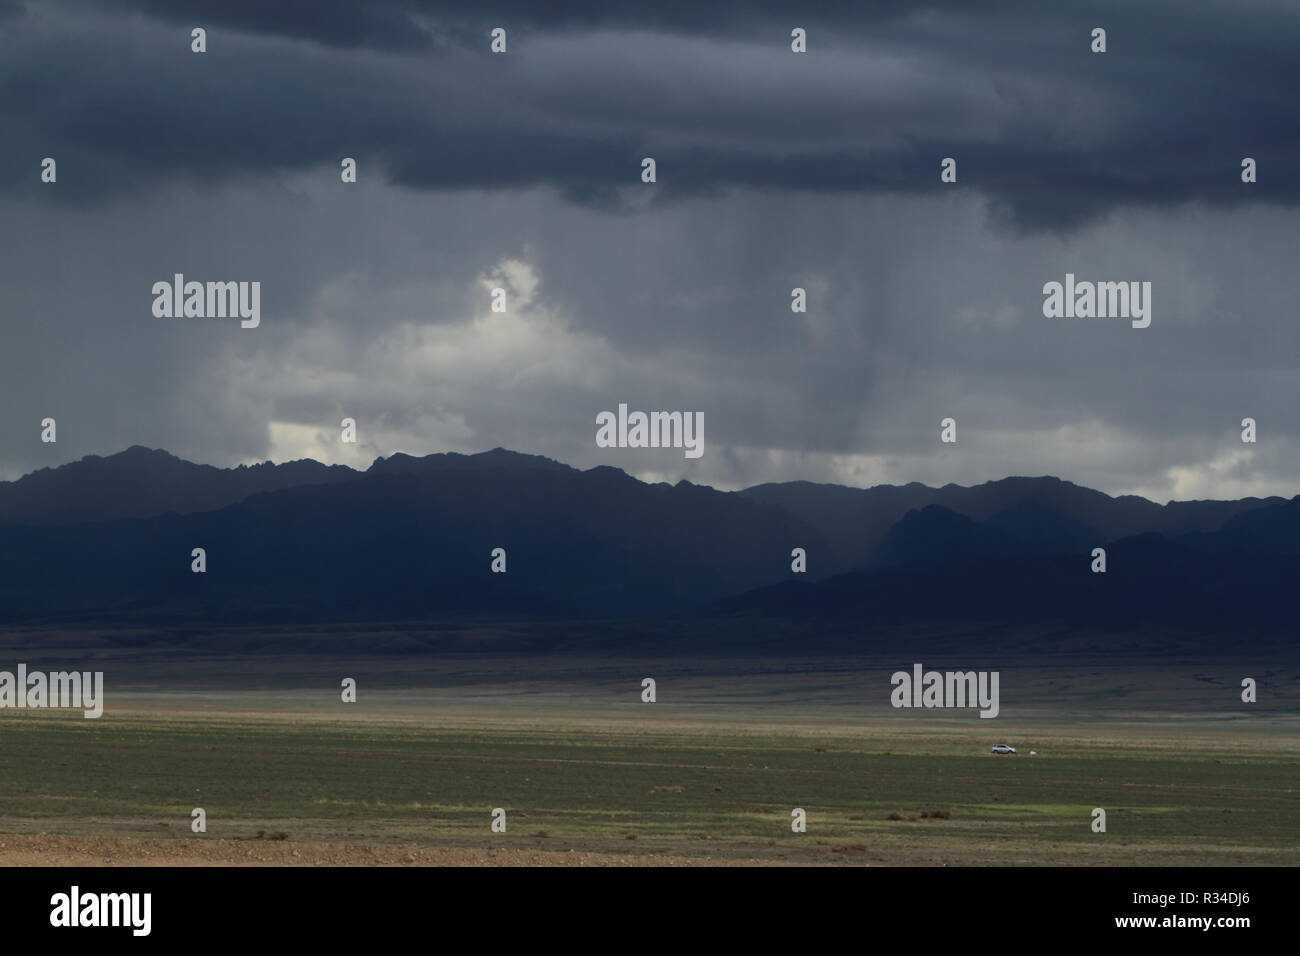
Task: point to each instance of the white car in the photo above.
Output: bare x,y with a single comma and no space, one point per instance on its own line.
1003,749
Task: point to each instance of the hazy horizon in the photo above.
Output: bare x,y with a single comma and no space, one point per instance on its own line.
647,480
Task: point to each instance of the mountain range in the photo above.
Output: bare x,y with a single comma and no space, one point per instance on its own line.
109,539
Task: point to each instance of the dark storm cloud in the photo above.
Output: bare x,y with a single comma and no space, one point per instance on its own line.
818,171
417,24
1052,133
347,24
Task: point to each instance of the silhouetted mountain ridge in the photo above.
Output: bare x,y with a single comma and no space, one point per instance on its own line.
856,521
939,565
412,543
413,538
142,482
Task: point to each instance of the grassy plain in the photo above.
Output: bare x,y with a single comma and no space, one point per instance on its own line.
710,772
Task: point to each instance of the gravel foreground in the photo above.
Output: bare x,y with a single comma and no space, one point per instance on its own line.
46,850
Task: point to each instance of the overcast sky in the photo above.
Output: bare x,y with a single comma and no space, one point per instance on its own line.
775,170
